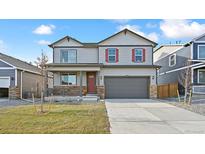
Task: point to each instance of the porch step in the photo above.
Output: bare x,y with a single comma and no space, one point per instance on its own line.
90,98
91,94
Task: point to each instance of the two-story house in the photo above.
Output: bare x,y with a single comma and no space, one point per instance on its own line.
175,59
120,66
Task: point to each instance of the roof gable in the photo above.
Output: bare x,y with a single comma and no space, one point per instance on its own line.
18,63
66,41
127,37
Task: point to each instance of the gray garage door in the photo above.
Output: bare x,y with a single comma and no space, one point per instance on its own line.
126,87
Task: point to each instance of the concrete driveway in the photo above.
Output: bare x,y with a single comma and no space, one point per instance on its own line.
146,116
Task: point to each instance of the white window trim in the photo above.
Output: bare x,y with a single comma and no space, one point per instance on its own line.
198,76
196,86
68,51
68,78
139,55
175,59
111,55
198,51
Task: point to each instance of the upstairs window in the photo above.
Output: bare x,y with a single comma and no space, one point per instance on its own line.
111,55
172,60
138,55
68,79
68,56
201,52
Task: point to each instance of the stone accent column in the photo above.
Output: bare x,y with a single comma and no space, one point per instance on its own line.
101,91
153,91
68,90
14,93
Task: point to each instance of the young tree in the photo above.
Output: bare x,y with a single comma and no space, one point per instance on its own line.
185,81
41,63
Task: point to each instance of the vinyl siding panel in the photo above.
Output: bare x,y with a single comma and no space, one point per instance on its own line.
19,78
66,42
182,56
126,39
84,55
125,56
31,83
2,64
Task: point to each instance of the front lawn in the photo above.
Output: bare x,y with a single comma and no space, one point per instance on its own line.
62,119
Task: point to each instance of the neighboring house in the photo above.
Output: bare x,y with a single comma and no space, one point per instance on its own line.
173,59
120,66
18,78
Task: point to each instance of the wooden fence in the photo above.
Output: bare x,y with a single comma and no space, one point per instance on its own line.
167,90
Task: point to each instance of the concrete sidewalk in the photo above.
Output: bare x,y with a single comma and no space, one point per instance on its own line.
145,116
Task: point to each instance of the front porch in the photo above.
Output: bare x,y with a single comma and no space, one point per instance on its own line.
77,81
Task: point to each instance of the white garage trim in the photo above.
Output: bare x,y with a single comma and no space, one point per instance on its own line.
5,77
21,84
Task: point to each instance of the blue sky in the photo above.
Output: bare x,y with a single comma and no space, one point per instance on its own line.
25,39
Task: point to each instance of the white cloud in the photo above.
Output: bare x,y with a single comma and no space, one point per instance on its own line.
176,29
43,42
151,25
44,29
121,21
152,36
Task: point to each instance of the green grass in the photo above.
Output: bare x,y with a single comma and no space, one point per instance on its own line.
62,119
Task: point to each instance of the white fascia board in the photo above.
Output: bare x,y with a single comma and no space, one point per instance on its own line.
7,63
185,67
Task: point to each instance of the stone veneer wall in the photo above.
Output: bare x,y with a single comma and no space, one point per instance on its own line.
68,90
14,93
101,91
153,91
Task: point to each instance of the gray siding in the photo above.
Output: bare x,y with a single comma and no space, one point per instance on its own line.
31,82
19,78
84,55
2,64
9,72
195,76
181,58
125,55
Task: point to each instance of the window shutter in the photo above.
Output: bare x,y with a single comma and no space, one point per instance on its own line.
117,55
106,55
133,55
143,55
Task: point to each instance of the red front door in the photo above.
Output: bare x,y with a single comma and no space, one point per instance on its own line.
91,82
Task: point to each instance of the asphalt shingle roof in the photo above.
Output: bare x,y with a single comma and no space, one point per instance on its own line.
22,65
